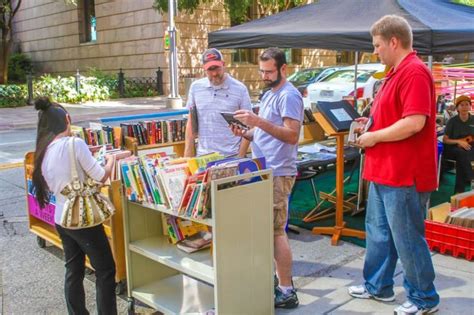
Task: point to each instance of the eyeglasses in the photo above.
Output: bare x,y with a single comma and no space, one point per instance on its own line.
267,72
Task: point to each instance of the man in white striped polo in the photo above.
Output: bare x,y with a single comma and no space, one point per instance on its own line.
217,92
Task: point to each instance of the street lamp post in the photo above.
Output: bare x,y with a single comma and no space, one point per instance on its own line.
174,100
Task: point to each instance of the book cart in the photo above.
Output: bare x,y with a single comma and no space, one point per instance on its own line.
234,276
41,223
132,145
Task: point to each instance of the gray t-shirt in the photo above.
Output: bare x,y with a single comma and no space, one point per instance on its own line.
214,134
279,156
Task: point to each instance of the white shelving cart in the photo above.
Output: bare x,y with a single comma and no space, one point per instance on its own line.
235,276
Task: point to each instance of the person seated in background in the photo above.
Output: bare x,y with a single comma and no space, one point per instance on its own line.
458,140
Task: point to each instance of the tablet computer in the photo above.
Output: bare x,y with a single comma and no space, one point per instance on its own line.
229,117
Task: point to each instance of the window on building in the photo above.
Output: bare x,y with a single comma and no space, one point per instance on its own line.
293,56
87,21
345,57
245,55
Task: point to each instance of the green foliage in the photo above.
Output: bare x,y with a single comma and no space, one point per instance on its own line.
138,89
13,95
238,10
19,66
187,6
469,3
105,79
63,89
95,86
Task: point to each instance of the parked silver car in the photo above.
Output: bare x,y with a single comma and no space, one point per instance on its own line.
302,78
340,83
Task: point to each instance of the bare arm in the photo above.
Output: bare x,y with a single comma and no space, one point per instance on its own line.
108,167
459,142
288,133
244,147
239,132
402,129
189,139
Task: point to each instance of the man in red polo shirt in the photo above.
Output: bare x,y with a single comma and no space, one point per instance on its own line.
400,163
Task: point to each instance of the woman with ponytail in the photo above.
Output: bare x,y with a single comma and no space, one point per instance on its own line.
51,174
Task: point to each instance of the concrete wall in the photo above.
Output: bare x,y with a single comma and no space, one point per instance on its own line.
129,36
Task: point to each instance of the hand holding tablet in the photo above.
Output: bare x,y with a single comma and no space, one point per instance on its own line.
229,117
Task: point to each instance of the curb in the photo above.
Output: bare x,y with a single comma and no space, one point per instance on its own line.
6,166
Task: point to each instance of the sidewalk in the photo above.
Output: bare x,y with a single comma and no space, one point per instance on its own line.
27,116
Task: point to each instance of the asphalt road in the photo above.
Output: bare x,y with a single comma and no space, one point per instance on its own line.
15,143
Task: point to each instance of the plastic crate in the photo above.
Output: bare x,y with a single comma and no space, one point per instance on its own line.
450,239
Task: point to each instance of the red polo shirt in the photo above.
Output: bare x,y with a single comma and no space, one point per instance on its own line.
407,90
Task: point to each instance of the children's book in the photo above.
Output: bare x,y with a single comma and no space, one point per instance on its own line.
196,242
174,177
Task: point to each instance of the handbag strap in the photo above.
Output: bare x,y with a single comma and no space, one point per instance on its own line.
72,159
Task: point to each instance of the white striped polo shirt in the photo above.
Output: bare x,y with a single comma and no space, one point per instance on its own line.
214,134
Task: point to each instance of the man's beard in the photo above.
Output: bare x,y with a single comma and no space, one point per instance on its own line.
272,84
217,80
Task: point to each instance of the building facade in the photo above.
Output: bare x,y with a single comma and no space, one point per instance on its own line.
109,35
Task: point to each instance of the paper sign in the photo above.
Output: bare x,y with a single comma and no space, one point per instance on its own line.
341,114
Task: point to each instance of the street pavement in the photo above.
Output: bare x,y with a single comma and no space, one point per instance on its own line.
32,277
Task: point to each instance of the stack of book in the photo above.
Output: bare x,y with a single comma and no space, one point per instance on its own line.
155,131
462,217
98,134
142,180
182,184
465,199
99,152
179,229
196,201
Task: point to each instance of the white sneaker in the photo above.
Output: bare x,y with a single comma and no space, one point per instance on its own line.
360,292
408,308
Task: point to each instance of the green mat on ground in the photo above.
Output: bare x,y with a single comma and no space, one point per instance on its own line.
302,200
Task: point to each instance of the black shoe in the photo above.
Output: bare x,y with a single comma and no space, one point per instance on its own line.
289,300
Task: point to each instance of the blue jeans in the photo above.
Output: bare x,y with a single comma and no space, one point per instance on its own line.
395,229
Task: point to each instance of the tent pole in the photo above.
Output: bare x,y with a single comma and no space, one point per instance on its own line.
355,78
430,62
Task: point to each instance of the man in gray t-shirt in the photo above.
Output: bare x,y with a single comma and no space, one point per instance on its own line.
274,134
217,92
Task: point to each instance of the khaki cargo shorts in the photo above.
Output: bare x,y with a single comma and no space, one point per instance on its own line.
282,186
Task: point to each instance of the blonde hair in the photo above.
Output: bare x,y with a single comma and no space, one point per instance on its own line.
396,26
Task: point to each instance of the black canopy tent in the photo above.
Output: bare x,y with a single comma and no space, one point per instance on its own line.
439,26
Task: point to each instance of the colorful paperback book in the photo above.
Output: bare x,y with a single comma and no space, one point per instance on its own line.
249,166
174,177
199,163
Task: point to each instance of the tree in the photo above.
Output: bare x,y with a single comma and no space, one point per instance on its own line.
238,10
8,9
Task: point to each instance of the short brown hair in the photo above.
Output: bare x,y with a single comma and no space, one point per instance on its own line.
276,54
396,26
